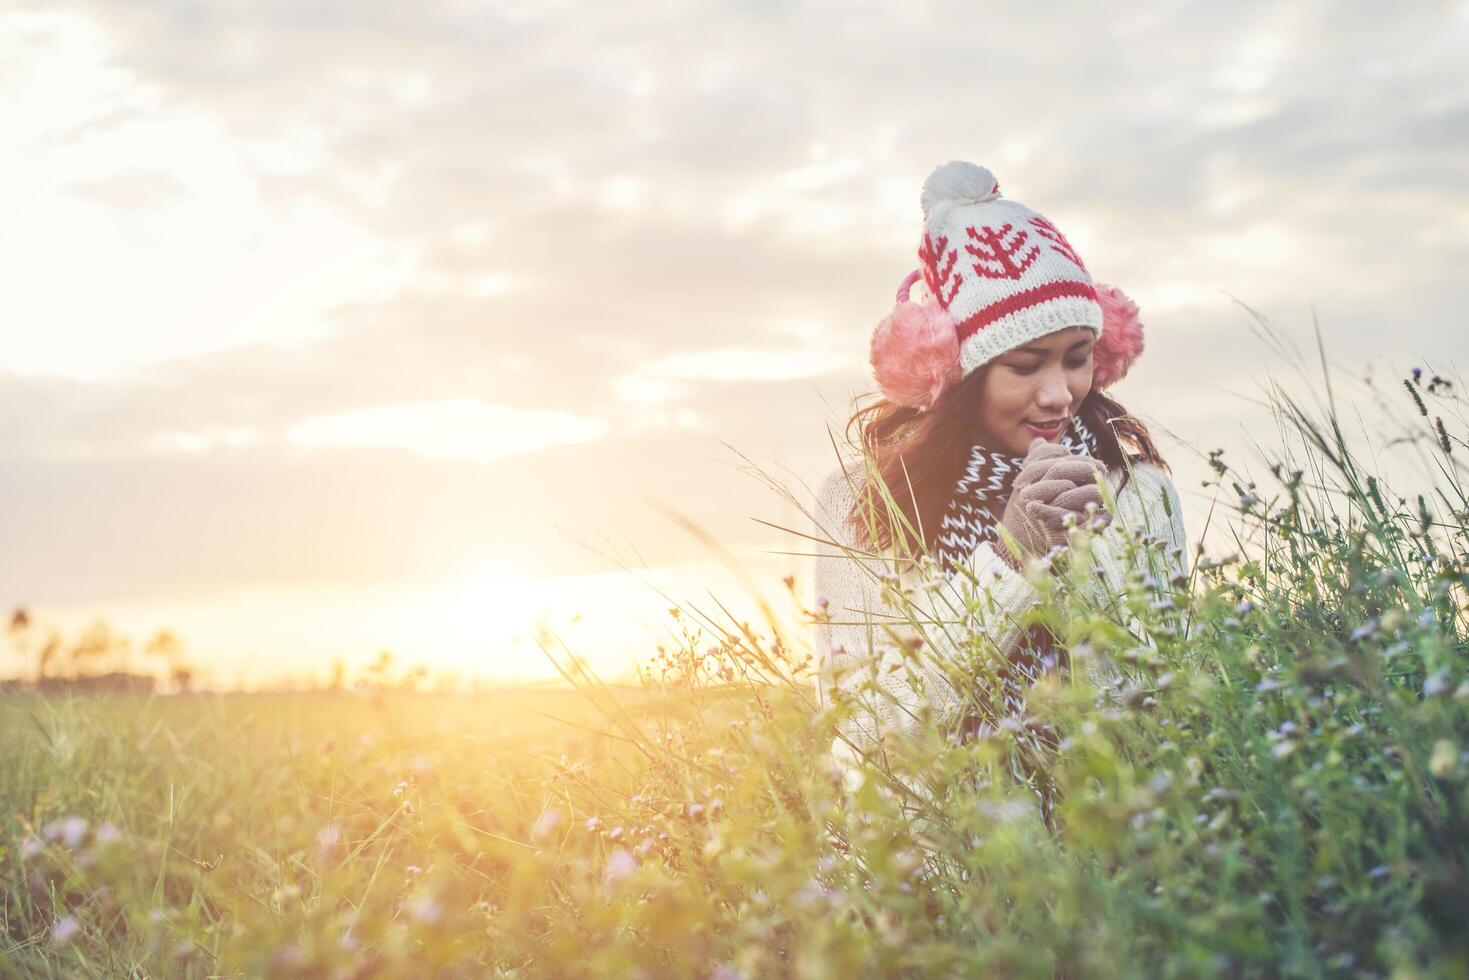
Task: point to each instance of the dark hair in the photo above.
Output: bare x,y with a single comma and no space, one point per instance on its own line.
920,456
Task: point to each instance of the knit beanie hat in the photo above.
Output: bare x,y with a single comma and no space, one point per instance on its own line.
999,275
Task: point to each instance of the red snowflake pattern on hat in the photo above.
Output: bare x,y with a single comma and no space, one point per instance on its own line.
1058,241
997,258
943,283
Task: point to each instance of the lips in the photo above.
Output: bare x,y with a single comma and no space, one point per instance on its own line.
1053,430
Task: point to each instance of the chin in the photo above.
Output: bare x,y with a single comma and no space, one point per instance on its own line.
1021,442
1023,438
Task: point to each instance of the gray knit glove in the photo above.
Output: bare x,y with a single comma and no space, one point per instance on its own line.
1053,481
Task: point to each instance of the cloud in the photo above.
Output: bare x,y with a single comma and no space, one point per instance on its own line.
140,232
742,364
460,428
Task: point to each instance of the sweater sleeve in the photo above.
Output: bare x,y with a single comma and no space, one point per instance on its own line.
861,645
1149,506
865,647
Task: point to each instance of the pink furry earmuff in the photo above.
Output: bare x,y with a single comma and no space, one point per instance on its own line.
915,350
1122,336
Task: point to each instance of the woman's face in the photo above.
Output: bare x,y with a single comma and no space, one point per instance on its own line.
1043,381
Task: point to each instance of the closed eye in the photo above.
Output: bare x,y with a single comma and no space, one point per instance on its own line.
1070,364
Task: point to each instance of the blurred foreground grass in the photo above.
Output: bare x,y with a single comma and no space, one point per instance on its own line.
1278,786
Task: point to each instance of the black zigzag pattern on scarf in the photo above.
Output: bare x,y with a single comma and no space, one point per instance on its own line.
978,500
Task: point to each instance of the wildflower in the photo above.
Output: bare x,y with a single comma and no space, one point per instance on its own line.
71,831
31,847
1005,811
427,910
1366,629
1436,684
287,960
809,893
65,930
328,844
1402,646
546,823
620,865
1267,684
1426,617
593,823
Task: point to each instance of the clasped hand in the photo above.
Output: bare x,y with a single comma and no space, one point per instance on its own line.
1053,482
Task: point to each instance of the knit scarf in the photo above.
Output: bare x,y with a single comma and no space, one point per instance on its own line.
971,516
978,501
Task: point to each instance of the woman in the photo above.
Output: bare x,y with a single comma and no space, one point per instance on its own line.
992,417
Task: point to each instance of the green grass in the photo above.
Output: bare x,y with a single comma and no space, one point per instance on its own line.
1278,787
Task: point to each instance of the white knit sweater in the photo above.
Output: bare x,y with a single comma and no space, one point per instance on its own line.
857,636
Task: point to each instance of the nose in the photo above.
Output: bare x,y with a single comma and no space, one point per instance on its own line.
1054,397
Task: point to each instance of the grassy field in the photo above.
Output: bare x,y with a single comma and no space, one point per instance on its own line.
284,833
1279,786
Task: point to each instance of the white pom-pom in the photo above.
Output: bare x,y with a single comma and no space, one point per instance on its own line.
958,182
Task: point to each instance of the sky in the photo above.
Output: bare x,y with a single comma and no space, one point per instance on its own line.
334,327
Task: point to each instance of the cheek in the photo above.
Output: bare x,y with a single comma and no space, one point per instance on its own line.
1014,398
